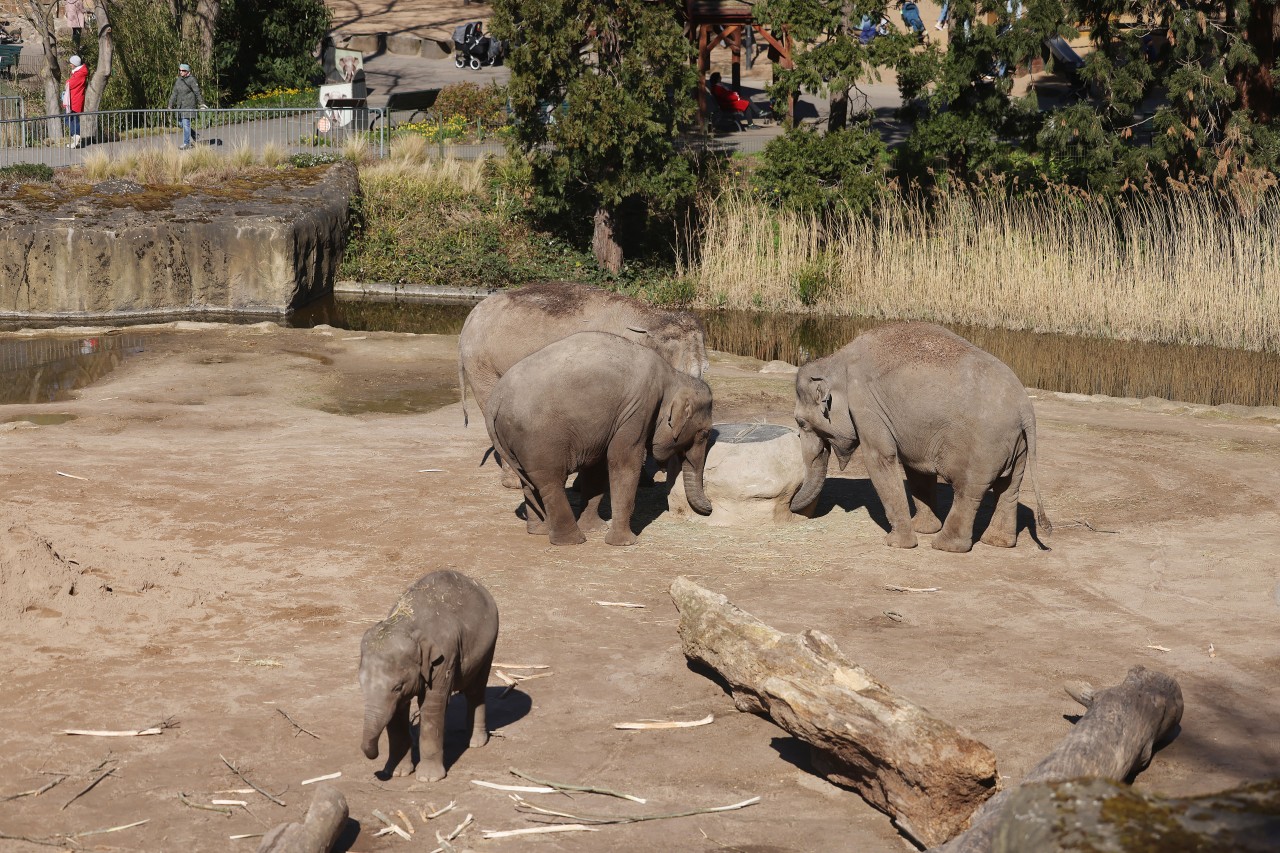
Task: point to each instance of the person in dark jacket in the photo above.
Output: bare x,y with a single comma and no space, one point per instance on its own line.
186,98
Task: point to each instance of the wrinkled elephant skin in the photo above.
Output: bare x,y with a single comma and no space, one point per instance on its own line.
919,396
436,641
595,403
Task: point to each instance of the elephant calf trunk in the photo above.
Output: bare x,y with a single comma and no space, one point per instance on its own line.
693,489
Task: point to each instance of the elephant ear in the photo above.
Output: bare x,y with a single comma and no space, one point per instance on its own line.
679,412
821,391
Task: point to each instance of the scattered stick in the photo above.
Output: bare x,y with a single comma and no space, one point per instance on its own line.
235,791
504,678
213,808
894,615
408,823
444,841
537,830
391,826
292,722
666,724
435,814
272,797
585,789
100,733
257,661
43,843
430,470
109,829
245,835
600,820
895,588
521,789
70,476
520,666
1159,648
621,604
35,792
514,681
89,787
230,802
323,778
1212,653
1097,529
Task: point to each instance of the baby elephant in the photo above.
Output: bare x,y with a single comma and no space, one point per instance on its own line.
437,640
594,403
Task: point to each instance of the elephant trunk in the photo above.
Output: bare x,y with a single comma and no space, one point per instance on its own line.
694,463
374,723
816,454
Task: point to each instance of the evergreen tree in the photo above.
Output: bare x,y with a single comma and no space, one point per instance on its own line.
599,92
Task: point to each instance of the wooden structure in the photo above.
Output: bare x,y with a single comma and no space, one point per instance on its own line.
712,23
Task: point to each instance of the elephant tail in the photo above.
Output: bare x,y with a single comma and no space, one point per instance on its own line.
462,387
1043,525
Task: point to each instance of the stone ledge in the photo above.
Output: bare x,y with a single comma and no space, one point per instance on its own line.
262,244
400,44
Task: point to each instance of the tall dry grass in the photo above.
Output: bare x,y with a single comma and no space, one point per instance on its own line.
1177,270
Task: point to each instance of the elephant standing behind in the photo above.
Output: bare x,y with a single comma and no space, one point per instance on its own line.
595,403
918,394
506,327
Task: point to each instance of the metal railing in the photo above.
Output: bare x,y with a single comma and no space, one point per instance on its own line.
51,139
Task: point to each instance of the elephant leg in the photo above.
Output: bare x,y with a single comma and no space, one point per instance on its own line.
400,742
1002,532
535,517
592,482
888,484
509,478
476,710
924,488
957,533
624,478
431,732
562,528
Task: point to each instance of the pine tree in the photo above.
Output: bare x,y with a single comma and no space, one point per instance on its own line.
599,92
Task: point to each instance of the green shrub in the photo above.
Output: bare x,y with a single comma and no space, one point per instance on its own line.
481,106
823,172
811,284
267,44
148,48
306,159
26,172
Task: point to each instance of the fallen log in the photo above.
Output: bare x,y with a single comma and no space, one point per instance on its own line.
1086,815
1113,739
922,772
318,833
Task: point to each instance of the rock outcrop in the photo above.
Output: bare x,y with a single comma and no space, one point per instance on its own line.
259,244
752,472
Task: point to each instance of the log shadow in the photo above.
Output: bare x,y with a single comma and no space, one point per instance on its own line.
348,837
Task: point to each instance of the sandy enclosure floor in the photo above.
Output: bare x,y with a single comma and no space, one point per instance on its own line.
231,539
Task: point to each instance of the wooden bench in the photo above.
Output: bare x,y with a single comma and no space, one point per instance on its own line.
415,102
9,54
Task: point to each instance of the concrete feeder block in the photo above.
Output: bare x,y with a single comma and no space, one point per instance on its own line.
752,472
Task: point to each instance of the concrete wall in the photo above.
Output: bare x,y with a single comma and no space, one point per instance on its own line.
259,246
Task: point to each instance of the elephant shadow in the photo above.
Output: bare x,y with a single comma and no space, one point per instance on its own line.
849,494
651,502
500,711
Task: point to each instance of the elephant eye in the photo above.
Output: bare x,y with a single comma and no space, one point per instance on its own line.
398,688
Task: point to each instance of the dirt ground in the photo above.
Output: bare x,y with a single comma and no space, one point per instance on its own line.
229,533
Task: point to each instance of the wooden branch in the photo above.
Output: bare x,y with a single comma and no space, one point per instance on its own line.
318,832
922,772
89,787
1113,739
272,797
1101,814
585,789
292,722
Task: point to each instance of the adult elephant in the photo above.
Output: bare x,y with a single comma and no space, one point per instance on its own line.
917,394
595,403
508,326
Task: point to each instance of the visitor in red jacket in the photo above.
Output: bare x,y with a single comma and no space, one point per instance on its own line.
73,98
730,101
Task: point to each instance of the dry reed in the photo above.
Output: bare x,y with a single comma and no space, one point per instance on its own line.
1174,269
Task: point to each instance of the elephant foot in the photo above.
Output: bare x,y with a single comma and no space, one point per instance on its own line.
620,536
404,769
954,544
535,526
479,739
590,521
999,539
571,537
901,539
431,773
510,480
925,523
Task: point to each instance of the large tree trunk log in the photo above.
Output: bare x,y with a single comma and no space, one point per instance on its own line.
919,770
1086,815
1113,739
101,74
318,833
604,242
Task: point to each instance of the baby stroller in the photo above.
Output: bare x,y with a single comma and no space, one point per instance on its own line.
472,48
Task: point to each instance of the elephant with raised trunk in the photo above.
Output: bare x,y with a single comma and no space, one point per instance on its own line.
436,641
594,403
919,395
506,327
